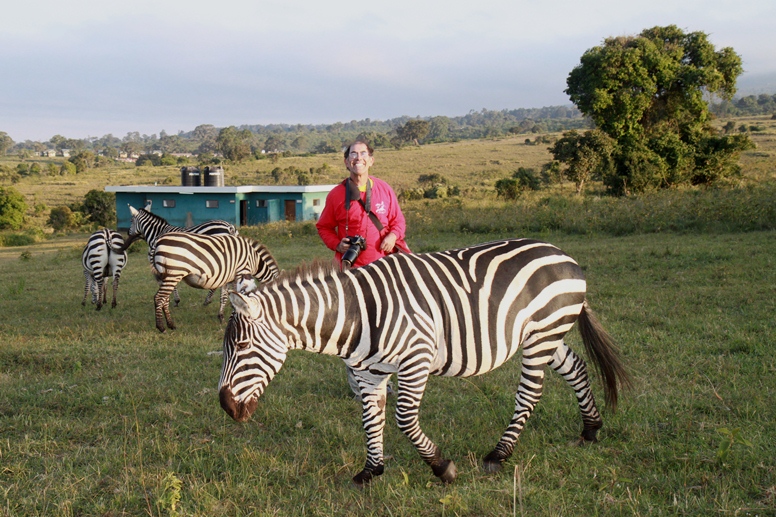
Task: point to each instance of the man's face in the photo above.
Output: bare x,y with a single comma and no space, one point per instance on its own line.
359,160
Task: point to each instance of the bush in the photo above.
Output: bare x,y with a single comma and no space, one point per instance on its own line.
62,218
12,208
100,207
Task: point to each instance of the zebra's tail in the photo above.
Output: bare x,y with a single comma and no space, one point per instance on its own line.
604,353
127,243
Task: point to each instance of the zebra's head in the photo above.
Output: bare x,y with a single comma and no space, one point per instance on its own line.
254,351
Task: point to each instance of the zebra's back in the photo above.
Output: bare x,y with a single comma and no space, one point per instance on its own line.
211,261
478,304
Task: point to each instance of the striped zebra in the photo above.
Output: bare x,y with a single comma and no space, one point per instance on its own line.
100,262
205,262
148,226
454,313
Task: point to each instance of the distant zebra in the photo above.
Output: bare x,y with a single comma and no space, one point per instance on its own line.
100,261
206,262
148,226
453,313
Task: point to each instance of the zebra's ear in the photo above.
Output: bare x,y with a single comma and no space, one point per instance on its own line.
132,210
245,305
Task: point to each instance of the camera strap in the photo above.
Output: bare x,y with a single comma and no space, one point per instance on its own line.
352,192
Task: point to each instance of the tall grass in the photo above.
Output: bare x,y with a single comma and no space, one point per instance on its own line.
709,210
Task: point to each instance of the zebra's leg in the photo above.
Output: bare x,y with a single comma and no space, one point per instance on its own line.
209,297
115,289
162,305
373,417
223,299
99,290
411,386
175,296
529,391
87,287
573,369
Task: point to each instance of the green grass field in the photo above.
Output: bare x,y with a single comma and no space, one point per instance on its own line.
102,415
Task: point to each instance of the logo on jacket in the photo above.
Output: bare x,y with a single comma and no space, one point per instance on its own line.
380,208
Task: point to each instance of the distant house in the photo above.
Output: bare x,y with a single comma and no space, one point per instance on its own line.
49,153
241,205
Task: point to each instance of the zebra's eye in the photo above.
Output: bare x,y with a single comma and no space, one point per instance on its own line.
242,345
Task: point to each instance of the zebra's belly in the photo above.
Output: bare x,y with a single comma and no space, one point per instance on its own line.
203,281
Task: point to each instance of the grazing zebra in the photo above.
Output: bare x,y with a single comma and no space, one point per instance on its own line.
453,313
148,226
101,261
206,262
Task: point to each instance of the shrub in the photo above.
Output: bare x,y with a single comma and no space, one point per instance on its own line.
62,218
12,208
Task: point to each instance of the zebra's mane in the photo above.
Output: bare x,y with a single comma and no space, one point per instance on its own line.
318,267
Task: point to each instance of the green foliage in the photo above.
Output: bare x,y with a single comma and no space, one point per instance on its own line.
99,207
170,494
6,142
12,208
83,161
234,144
587,156
413,131
646,93
62,218
522,180
730,438
67,168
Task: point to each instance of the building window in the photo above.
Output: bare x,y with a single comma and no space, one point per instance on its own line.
262,203
316,202
211,203
168,203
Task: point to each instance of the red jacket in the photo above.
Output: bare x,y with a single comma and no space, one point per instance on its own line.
331,224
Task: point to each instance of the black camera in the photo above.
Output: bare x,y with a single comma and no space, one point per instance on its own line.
357,245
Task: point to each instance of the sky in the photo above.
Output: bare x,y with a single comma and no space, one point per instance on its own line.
87,68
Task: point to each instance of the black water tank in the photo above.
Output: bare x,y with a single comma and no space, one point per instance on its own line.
214,177
190,176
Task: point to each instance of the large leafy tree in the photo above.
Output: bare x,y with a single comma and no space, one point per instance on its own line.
647,93
234,144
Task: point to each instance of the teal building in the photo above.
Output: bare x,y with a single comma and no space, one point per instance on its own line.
246,205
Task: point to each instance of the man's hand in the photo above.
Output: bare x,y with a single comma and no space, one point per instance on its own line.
389,241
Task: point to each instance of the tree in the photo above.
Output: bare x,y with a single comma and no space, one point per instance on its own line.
234,144
586,156
413,131
12,208
5,142
100,207
647,93
83,161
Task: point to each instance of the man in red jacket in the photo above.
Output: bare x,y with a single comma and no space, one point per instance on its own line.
362,206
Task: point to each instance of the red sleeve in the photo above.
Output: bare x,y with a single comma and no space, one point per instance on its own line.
327,225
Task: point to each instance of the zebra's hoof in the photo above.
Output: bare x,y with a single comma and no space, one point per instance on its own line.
446,471
492,462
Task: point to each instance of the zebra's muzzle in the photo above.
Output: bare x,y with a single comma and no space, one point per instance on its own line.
240,411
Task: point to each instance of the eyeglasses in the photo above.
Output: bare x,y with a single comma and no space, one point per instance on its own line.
353,154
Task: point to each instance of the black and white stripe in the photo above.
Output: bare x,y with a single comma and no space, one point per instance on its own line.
148,226
205,262
100,261
454,313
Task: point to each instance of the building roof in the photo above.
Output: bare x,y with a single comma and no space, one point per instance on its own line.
243,189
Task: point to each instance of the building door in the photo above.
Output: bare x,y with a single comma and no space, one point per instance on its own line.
290,210
243,212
